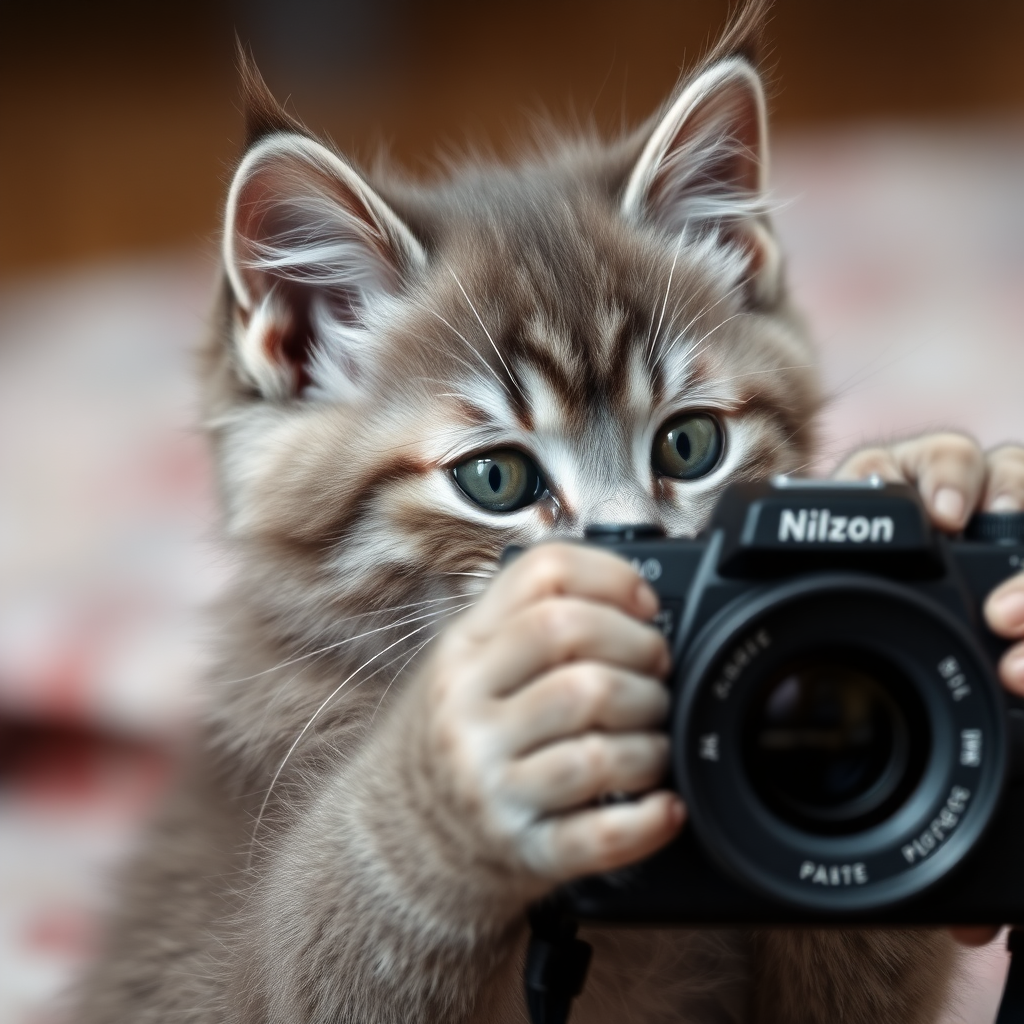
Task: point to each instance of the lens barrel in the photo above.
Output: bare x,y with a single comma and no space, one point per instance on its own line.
839,740
834,743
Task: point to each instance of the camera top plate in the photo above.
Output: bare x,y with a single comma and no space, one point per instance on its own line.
785,526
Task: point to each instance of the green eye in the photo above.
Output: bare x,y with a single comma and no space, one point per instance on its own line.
687,446
500,481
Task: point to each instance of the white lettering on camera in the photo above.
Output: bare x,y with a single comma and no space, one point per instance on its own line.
833,874
949,669
970,748
819,524
649,569
939,830
709,747
739,658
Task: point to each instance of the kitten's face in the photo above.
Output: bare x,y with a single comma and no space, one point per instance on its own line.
595,339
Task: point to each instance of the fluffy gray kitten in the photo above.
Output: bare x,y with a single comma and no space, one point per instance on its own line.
401,380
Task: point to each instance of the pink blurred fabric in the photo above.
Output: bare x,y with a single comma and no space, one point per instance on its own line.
906,249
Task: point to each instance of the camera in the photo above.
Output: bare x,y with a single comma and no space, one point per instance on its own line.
838,730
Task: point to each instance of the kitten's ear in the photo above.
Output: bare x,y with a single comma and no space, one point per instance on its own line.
307,246
704,168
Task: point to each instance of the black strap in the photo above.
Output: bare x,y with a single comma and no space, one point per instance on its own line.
556,965
1011,1009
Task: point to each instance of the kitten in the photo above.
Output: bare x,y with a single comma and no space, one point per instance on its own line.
402,379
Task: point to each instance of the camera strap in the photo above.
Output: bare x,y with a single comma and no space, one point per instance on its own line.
556,965
1011,1009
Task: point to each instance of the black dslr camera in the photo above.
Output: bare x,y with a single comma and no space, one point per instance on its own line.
839,734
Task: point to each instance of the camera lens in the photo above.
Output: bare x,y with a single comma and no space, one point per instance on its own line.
834,745
838,740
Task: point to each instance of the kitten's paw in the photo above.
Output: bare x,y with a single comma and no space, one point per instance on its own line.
545,697
956,478
604,838
1004,613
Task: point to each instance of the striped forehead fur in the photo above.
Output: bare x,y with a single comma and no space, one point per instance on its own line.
556,302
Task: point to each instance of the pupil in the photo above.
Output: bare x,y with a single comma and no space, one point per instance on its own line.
683,445
494,479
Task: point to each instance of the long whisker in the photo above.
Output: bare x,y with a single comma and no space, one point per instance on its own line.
707,309
351,639
465,362
254,838
697,316
695,349
327,700
653,339
460,335
691,354
405,664
281,690
511,375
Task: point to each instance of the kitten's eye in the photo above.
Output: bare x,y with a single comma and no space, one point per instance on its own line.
500,481
687,446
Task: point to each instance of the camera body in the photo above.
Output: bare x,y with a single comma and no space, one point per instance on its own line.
839,733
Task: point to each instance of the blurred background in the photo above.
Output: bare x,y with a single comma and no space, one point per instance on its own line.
899,155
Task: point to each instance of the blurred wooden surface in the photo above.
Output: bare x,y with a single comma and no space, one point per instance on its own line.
120,120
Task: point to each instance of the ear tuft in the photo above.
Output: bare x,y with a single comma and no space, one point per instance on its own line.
744,35
703,169
262,114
